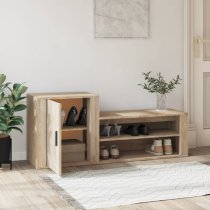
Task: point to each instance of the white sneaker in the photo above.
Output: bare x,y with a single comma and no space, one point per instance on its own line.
104,153
156,148
114,152
167,145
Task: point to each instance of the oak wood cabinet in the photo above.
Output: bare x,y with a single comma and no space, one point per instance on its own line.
162,124
45,133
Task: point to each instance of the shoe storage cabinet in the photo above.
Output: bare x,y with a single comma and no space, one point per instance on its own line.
162,124
52,145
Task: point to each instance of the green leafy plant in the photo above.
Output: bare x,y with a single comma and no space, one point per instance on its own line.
11,97
158,84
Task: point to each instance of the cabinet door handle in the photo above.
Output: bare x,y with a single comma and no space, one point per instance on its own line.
56,138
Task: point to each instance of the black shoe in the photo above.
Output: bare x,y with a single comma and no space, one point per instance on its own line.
132,130
82,120
143,129
70,121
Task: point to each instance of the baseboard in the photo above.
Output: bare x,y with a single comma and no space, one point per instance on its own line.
18,156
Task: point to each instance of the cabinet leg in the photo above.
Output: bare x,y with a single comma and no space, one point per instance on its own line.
11,165
0,165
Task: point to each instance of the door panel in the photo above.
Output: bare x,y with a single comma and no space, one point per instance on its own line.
54,136
201,69
206,89
206,29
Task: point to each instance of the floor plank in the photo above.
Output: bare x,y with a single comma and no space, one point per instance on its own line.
24,189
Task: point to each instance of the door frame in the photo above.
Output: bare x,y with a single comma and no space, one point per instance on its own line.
189,69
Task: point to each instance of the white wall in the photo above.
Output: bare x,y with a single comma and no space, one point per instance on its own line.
49,44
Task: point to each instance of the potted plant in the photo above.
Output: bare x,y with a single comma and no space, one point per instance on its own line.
11,96
159,86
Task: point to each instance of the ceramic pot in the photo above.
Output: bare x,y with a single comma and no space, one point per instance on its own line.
6,150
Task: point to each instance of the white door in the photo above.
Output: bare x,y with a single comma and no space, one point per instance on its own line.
202,71
54,136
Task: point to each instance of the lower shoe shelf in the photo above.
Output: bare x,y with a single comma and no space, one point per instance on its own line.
128,156
76,163
137,155
152,135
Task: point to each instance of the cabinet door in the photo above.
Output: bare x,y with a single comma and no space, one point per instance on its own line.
54,145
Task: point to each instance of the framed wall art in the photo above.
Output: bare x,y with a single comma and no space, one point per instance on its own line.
121,18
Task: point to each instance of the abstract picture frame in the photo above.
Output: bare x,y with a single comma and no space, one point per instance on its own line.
121,18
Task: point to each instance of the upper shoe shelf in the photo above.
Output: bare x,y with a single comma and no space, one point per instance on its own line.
162,123
139,114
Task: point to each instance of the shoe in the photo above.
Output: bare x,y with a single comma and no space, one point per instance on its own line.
143,129
114,152
82,120
167,147
115,130
132,130
105,130
70,121
156,148
104,153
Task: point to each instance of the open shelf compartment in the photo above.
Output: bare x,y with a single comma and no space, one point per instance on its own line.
140,155
167,124
132,150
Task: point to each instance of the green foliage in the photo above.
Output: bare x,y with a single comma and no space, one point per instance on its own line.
158,84
10,103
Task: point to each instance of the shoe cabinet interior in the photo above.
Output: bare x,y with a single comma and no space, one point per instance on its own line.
162,124
48,139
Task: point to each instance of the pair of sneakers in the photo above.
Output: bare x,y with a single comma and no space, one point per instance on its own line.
160,147
113,152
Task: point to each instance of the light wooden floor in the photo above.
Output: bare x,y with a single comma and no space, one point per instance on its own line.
23,188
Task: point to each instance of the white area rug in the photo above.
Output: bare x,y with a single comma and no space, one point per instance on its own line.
128,185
